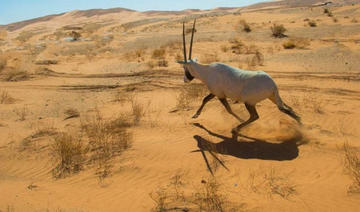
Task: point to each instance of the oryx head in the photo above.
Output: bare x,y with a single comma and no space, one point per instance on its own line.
187,77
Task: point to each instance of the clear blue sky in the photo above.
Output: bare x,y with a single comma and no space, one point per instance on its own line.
18,10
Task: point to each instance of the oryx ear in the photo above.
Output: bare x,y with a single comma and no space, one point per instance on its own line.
181,62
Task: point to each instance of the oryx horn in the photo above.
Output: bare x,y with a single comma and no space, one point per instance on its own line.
192,37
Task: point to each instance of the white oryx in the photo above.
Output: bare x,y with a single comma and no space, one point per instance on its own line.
224,81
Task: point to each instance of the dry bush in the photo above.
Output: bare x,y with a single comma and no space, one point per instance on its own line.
208,58
335,20
257,60
271,183
245,26
163,63
190,93
209,198
299,43
12,75
21,113
158,53
137,55
71,113
352,164
3,63
328,12
278,31
224,48
290,44
107,139
354,20
69,152
5,97
138,110
312,23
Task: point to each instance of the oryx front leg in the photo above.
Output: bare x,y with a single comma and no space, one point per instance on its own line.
205,100
228,109
253,117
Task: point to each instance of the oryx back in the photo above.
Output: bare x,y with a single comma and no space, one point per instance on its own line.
241,85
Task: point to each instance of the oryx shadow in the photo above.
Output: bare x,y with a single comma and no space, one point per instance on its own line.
251,148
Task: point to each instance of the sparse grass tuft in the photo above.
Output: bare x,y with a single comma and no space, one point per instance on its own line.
5,97
12,75
138,111
278,31
271,183
69,151
352,164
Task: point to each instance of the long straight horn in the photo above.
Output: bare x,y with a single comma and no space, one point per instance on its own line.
184,43
192,38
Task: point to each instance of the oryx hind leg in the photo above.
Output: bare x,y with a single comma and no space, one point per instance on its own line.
253,117
228,109
205,100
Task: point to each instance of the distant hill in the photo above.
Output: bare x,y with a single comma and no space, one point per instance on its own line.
122,15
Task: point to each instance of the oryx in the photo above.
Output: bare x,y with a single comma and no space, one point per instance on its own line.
224,81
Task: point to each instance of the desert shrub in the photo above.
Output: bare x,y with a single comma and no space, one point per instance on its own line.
352,164
335,20
257,59
158,53
354,20
71,113
5,97
14,75
224,48
328,12
271,183
209,198
163,63
107,139
75,35
68,150
22,113
312,23
3,63
299,43
278,30
245,26
289,44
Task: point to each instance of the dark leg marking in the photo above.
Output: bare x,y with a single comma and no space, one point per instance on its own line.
228,109
253,117
205,100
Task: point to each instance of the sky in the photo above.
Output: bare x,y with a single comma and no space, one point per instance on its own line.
19,10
